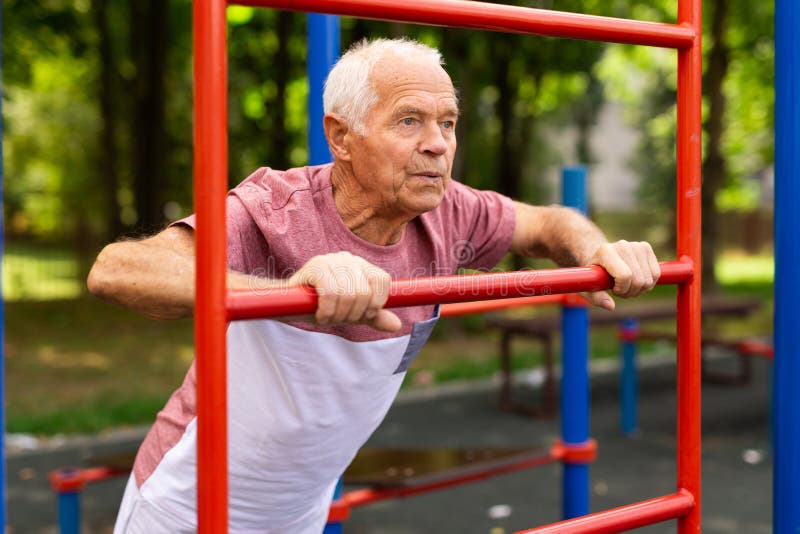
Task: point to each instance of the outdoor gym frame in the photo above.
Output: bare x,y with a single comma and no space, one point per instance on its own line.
215,305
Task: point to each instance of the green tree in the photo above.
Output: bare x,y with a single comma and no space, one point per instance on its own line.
737,110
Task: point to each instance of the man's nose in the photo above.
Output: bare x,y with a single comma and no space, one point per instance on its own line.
433,141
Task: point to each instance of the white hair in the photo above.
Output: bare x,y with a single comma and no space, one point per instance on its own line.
349,91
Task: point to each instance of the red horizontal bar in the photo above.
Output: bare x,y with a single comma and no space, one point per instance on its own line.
467,308
497,17
366,496
73,479
283,302
627,517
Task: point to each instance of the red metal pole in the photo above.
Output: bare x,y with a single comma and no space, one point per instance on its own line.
363,497
210,175
624,518
468,308
256,303
497,17
688,233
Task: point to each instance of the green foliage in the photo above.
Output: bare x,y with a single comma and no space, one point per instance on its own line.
43,272
645,80
516,93
50,146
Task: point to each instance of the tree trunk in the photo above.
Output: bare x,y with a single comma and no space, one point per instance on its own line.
508,164
279,138
455,50
149,37
107,160
714,166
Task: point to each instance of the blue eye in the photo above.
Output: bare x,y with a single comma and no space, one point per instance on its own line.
408,121
448,125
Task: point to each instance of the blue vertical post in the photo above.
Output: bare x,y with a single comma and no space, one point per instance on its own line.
69,512
786,395
323,50
323,32
575,371
2,323
629,339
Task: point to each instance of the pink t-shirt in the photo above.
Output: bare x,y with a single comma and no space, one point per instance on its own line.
278,220
302,398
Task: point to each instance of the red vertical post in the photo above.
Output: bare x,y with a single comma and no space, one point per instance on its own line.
210,185
688,230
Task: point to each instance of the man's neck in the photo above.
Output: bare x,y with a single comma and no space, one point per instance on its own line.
362,214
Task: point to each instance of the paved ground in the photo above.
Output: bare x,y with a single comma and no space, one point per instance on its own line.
736,463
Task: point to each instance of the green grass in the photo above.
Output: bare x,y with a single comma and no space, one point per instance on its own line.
734,270
93,415
82,365
32,272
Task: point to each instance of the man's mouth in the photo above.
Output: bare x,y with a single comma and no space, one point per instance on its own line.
433,175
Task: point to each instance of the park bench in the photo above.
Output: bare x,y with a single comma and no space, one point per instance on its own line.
545,329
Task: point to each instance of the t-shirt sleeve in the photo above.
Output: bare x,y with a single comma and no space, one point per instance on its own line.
247,248
484,222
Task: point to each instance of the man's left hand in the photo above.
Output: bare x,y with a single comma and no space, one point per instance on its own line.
633,266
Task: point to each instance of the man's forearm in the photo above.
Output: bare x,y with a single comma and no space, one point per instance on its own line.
556,232
155,281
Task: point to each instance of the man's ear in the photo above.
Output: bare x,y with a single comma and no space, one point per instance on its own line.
337,132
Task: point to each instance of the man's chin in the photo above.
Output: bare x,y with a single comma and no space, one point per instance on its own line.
424,205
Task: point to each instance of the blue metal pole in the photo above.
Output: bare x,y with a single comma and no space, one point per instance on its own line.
2,322
786,395
69,512
323,38
575,371
323,50
629,417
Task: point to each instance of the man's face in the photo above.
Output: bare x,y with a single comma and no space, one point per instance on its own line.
405,159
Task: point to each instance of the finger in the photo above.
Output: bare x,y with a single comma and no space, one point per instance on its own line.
327,298
346,283
638,280
386,321
601,299
655,267
612,261
363,296
381,283
643,253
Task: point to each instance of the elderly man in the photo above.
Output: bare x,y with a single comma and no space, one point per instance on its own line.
306,393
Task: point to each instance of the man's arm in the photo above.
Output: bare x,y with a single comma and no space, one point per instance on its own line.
155,277
570,239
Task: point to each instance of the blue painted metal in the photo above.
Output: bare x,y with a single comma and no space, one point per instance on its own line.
69,512
323,32
2,322
786,395
323,50
575,371
629,387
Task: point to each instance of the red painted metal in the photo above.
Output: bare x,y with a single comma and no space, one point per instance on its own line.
623,518
689,312
212,309
497,17
70,479
467,308
366,496
575,453
754,347
255,304
210,185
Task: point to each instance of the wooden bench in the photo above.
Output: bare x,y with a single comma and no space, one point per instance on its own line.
545,328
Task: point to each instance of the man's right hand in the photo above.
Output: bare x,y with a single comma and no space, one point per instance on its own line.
350,289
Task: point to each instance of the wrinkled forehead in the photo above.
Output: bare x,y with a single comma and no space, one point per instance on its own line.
394,77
